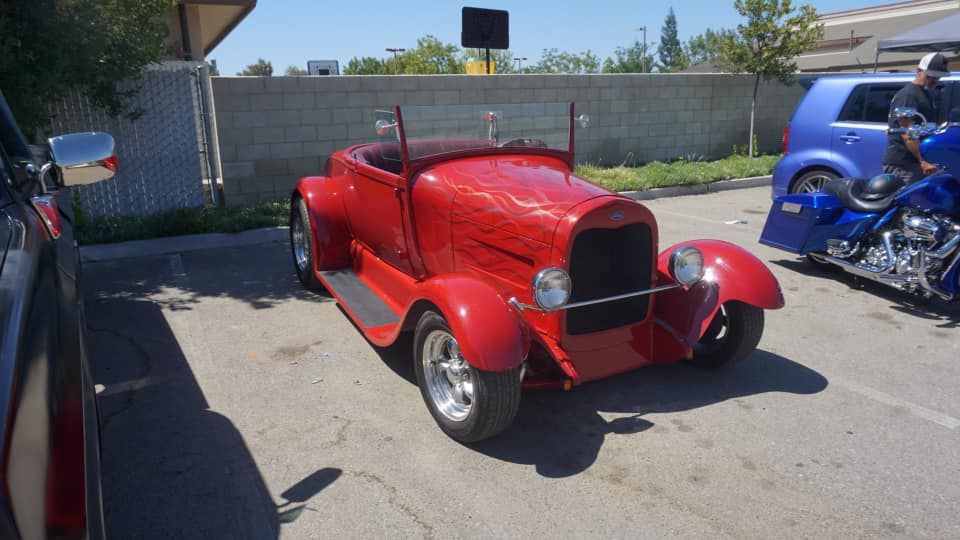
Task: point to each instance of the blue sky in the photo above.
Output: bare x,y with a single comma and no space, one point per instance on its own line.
290,32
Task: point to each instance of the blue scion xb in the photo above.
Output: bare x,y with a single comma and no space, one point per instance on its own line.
839,129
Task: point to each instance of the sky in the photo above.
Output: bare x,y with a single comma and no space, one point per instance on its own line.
290,32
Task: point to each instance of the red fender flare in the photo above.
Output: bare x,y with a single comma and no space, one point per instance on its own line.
730,273
490,333
328,220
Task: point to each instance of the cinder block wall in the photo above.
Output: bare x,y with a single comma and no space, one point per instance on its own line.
273,130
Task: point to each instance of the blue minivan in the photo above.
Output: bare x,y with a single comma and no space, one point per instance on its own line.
839,129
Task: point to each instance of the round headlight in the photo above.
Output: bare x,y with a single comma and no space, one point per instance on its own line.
551,288
686,265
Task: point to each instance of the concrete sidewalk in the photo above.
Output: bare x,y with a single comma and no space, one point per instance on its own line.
197,242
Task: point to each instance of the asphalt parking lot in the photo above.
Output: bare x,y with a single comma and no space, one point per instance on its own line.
237,405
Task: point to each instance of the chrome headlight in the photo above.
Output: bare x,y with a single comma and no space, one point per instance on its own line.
686,265
551,288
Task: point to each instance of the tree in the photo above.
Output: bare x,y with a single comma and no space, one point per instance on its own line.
48,47
705,47
554,61
262,68
366,65
629,60
294,71
429,57
672,57
768,43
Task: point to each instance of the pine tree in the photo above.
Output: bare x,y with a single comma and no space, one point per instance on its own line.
670,51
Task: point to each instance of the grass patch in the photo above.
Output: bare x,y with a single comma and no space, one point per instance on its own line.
676,173
181,221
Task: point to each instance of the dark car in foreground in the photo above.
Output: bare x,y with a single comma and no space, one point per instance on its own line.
839,129
49,430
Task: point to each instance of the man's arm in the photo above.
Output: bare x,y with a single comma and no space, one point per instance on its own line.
913,145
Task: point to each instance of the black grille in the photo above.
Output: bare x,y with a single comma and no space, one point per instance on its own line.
604,263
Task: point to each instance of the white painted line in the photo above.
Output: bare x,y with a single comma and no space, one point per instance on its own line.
919,411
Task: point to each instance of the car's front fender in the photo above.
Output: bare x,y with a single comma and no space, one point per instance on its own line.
489,332
731,273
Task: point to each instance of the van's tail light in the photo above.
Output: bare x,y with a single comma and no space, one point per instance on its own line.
786,137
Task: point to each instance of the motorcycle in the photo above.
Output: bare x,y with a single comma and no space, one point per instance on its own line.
904,236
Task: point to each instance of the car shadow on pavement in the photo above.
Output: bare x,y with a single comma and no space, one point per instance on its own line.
260,275
561,433
171,467
947,314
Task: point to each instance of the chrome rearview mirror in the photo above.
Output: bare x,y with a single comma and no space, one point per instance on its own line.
84,158
383,127
905,112
584,120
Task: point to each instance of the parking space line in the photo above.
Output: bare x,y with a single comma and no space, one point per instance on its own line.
920,411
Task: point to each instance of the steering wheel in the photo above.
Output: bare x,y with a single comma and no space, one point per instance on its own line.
522,142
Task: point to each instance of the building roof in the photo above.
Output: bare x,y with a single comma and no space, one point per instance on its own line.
219,17
850,37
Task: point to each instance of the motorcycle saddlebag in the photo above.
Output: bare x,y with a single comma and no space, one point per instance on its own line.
802,223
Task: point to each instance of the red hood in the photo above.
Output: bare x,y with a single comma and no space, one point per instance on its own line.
521,195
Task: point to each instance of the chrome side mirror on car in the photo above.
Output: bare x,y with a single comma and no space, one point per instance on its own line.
584,120
383,127
84,158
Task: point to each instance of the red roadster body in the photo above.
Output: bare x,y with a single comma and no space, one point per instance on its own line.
512,271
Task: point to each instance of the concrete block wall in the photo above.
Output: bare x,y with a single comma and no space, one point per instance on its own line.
273,130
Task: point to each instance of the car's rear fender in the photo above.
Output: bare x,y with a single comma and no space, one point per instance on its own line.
328,220
795,164
490,334
730,273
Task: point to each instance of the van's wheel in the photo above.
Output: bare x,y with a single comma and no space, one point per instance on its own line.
732,335
301,245
468,404
812,181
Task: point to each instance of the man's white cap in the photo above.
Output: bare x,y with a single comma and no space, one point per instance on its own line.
935,65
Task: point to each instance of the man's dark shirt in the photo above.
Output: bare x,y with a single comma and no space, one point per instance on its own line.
919,98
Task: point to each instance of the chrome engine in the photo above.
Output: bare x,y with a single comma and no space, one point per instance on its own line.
912,257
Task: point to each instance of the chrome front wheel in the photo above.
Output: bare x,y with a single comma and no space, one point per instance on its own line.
301,245
469,404
448,377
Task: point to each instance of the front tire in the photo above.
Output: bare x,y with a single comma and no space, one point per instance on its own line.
468,404
301,245
732,335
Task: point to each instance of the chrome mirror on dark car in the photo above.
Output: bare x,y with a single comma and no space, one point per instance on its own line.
84,158
905,112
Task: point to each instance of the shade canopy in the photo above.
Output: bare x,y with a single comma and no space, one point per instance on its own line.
940,35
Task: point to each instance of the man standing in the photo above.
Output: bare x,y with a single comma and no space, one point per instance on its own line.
902,157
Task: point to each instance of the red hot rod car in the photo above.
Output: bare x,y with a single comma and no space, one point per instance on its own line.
466,226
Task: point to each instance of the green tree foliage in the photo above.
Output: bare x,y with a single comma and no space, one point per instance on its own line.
294,71
48,47
262,68
430,57
766,46
672,57
366,65
629,60
705,47
555,61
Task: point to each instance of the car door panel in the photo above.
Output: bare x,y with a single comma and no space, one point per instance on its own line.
859,135
377,215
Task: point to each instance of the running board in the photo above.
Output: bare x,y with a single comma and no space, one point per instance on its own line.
360,299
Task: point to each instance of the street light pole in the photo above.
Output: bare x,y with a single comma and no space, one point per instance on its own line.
519,60
643,59
395,51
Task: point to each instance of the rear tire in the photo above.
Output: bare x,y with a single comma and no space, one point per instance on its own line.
812,181
732,335
301,245
467,403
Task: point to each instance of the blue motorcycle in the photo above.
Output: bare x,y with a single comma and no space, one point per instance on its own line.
904,236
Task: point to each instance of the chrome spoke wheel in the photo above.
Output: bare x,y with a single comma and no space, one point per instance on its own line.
449,378
301,248
812,183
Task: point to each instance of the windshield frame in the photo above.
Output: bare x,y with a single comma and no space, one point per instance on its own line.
412,165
